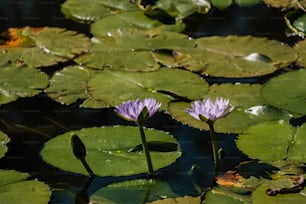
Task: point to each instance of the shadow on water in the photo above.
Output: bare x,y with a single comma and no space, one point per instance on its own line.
30,122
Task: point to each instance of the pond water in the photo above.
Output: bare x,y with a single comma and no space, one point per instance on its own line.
30,122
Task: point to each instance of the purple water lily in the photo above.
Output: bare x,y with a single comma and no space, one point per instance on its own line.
131,110
210,110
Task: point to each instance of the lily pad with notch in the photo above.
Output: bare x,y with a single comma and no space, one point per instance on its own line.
114,87
250,108
17,82
108,151
41,47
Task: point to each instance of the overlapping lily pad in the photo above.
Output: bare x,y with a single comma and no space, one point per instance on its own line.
301,48
86,12
130,20
287,91
250,108
132,50
296,22
3,141
68,85
133,191
108,151
16,82
234,56
38,47
14,188
113,87
274,140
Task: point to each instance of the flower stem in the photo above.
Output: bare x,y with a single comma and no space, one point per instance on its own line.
146,150
214,146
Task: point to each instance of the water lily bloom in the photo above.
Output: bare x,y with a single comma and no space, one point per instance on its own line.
132,109
210,110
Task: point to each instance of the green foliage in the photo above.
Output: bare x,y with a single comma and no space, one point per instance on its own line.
108,151
14,188
4,139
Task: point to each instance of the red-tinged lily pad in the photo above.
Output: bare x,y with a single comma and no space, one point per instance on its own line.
17,82
39,47
15,188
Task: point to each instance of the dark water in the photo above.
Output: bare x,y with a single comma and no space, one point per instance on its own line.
30,122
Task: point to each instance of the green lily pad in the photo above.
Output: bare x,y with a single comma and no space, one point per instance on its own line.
247,2
129,20
286,4
133,191
300,47
296,22
260,196
180,9
4,139
132,50
249,108
114,87
86,12
225,196
235,56
14,188
108,151
68,85
221,4
287,91
16,82
273,140
37,47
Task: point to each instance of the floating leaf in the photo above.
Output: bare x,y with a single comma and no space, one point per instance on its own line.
249,109
179,200
68,85
133,191
18,82
247,2
301,48
286,4
3,141
130,20
113,87
260,196
235,56
38,47
287,91
108,151
182,8
132,50
296,22
85,12
221,4
15,189
272,141
225,196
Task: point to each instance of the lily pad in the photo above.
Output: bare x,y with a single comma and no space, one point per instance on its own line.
287,91
14,188
38,47
286,4
235,56
114,87
16,82
274,140
3,141
260,196
133,191
68,85
108,151
86,12
129,20
301,49
296,22
132,50
250,108
225,196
